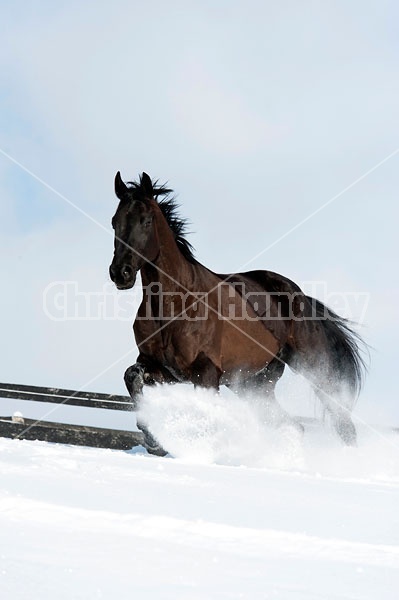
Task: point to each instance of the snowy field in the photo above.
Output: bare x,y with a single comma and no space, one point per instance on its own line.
236,511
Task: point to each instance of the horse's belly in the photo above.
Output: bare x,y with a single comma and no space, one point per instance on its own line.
247,346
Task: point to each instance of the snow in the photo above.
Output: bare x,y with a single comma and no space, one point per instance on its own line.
238,511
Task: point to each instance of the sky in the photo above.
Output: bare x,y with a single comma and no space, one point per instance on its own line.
275,123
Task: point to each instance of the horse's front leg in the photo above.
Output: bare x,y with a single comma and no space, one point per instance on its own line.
144,372
136,376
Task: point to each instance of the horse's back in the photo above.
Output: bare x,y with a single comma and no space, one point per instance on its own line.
274,298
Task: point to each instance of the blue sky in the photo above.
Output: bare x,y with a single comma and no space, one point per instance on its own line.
256,113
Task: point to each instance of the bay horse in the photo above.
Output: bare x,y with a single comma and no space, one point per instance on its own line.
238,330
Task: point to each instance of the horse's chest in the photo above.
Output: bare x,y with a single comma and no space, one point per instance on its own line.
180,345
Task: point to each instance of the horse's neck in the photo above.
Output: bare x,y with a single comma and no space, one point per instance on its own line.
170,268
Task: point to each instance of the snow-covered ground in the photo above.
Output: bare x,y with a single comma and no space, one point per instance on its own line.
239,511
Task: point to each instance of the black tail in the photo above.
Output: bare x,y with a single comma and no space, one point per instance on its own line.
346,347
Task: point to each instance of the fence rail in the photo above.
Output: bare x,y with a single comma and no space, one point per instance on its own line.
69,397
19,427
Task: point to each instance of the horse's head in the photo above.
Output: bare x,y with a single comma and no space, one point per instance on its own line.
136,240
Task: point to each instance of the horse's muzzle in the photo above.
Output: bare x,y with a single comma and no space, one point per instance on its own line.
123,277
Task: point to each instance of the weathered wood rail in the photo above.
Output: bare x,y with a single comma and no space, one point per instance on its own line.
68,397
19,427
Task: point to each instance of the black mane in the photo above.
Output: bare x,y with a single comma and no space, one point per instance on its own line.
170,210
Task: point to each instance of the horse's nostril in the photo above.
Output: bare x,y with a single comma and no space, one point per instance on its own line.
126,272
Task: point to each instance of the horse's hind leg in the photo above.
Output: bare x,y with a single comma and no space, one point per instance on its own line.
312,363
262,387
340,416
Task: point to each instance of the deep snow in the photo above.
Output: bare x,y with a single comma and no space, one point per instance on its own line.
242,512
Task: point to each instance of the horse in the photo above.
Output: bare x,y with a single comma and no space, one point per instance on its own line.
239,330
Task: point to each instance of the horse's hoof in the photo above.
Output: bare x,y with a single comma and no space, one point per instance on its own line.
293,426
152,446
150,443
156,450
346,431
134,381
299,427
293,429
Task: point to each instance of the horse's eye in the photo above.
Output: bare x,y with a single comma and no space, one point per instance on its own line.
147,223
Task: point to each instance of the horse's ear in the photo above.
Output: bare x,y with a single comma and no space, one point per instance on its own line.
146,185
120,187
